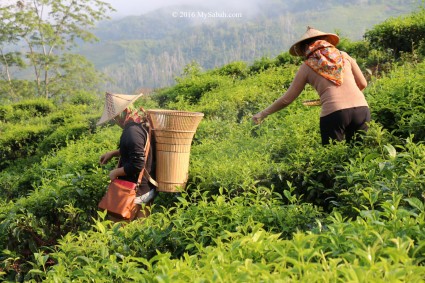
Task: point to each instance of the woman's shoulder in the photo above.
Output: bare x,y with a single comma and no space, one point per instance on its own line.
303,72
135,132
346,56
304,68
134,127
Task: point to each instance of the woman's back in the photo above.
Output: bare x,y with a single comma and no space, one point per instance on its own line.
334,97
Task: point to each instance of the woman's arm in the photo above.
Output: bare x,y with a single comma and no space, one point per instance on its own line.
358,75
287,98
117,172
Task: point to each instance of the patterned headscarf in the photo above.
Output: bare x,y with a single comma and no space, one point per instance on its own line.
130,114
326,60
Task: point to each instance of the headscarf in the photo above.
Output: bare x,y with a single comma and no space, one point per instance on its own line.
130,114
326,60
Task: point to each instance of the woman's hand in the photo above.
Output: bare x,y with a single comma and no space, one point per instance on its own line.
117,172
257,118
107,156
113,175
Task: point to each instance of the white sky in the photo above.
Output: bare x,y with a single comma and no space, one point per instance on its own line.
138,7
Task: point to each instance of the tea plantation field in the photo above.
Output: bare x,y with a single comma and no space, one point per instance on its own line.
264,203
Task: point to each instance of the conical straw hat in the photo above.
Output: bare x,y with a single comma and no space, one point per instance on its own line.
115,104
311,32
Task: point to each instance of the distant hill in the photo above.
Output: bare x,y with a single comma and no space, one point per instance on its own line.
149,51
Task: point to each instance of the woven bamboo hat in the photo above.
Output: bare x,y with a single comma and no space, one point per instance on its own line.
115,104
311,32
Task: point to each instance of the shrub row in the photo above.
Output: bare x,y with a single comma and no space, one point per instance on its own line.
337,249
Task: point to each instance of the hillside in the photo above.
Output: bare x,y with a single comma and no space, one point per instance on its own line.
151,50
264,203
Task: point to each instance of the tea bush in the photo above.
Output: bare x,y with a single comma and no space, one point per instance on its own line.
83,98
402,34
343,249
5,111
70,176
397,100
33,127
20,141
374,62
19,179
237,102
235,70
61,136
191,89
261,65
188,229
26,110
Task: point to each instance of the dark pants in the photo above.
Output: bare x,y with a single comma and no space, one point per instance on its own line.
344,124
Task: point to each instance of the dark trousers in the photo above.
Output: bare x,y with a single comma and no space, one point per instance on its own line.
344,124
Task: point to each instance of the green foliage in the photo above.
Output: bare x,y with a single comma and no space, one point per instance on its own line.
397,100
36,126
20,141
24,109
62,135
76,82
261,65
358,49
240,99
20,178
187,229
263,202
16,90
43,37
65,197
282,60
371,178
402,34
235,70
191,88
83,98
341,249
285,58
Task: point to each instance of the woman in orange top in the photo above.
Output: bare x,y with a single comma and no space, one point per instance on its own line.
337,79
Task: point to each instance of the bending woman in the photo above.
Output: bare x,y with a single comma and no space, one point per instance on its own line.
338,81
119,109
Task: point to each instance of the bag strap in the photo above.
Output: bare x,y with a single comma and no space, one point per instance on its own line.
144,172
149,177
147,148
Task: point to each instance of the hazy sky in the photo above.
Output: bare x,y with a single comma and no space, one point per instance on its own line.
138,7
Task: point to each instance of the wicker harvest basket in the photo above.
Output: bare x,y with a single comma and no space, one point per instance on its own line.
174,131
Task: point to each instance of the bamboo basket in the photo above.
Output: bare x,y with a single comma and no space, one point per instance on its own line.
173,131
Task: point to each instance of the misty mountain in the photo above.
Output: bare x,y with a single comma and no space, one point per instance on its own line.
151,50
